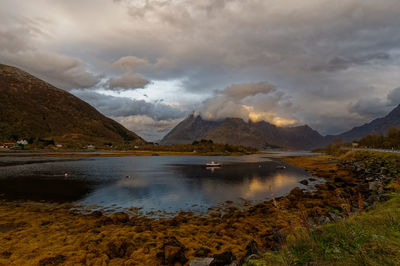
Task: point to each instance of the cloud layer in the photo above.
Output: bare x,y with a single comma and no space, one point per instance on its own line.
334,65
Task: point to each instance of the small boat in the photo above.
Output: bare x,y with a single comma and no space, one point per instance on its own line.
213,164
281,167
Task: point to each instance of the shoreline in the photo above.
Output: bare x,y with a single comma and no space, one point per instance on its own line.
115,153
41,231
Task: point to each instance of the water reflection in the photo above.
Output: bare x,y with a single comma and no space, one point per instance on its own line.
167,183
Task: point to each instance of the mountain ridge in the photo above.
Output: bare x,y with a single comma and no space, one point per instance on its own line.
237,131
261,134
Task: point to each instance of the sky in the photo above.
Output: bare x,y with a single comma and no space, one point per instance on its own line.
149,63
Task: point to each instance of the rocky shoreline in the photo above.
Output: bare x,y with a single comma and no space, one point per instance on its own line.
51,234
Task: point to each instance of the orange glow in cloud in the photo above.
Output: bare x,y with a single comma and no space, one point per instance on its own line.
269,117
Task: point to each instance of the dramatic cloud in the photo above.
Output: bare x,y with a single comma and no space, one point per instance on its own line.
150,120
254,101
147,127
17,48
128,81
122,106
332,63
374,107
129,63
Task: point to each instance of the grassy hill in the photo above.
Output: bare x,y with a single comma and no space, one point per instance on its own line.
34,110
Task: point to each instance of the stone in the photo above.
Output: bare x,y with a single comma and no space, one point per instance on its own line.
252,248
172,252
119,248
59,259
119,217
279,237
373,186
338,180
96,214
304,182
222,259
334,217
201,262
202,252
249,258
104,220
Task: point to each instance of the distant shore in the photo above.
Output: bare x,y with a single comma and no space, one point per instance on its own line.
44,153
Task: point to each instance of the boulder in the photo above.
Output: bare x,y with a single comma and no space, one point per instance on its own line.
202,252
104,220
304,182
172,252
373,185
279,237
119,217
201,262
56,260
119,248
96,214
222,259
252,248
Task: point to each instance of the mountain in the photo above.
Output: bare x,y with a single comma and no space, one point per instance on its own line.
33,109
376,127
237,131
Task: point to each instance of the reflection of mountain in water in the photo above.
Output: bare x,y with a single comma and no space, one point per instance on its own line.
242,180
55,189
168,183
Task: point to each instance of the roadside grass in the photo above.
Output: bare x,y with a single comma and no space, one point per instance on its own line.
371,238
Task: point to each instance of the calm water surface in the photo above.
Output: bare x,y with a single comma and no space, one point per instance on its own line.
157,183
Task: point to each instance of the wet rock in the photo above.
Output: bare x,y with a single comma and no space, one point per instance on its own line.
252,248
178,220
311,179
119,248
334,216
202,252
249,258
119,218
104,220
304,182
96,214
6,254
296,193
279,237
45,223
274,240
225,258
201,262
172,252
323,220
52,260
373,185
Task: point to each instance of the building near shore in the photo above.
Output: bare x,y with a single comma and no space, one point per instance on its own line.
9,145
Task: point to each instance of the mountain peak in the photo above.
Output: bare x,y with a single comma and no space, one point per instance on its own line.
378,126
236,131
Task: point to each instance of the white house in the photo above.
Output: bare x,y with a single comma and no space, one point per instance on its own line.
22,142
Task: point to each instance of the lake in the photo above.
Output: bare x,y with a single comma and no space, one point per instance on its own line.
148,184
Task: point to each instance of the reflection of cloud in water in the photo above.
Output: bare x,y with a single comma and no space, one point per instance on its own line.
163,182
273,185
132,182
251,188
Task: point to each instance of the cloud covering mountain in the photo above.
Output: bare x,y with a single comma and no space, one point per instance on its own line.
332,65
